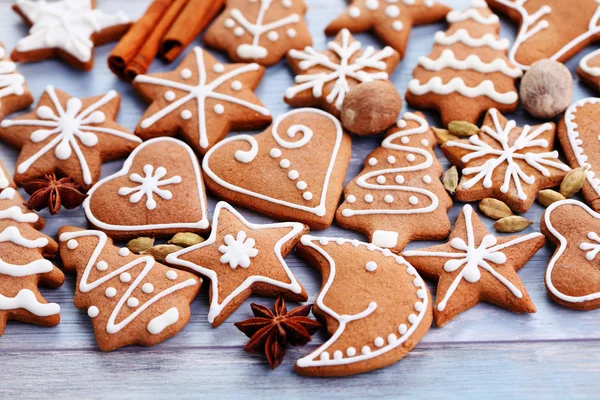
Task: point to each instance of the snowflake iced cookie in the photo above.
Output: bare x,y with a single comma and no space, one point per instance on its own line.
476,266
398,197
240,259
131,299
68,135
391,20
589,70
158,192
543,31
261,31
324,78
14,93
293,171
202,100
467,71
22,263
506,162
66,29
375,304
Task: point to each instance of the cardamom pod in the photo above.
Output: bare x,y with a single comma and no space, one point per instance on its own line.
140,244
186,239
463,128
442,135
161,251
549,196
495,209
512,224
450,180
572,182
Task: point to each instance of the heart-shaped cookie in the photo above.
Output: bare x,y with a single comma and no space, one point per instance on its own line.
293,171
158,192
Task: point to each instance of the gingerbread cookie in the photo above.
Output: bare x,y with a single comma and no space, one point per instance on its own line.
391,20
261,31
476,266
22,263
202,100
131,299
467,72
240,259
158,192
506,162
375,304
66,29
573,278
14,93
398,197
293,171
324,78
589,70
68,135
554,29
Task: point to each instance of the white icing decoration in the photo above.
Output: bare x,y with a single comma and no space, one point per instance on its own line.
447,59
385,239
16,214
72,245
471,14
371,266
238,251
172,275
149,184
93,312
593,71
11,82
458,85
133,302
147,288
463,36
166,319
110,292
26,300
124,252
8,193
592,249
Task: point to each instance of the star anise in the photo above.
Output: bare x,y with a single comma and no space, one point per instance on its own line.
52,192
269,331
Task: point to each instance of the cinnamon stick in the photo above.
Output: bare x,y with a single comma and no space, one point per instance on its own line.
191,22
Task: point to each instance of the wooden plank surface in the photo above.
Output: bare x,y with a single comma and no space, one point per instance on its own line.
486,352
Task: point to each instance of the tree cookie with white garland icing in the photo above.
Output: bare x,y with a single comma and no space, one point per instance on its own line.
158,192
391,20
374,303
131,299
68,135
66,29
398,197
324,79
240,259
589,70
293,171
202,100
476,266
261,31
554,29
14,93
506,162
467,71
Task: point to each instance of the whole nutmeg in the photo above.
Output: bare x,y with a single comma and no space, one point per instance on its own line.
371,108
547,89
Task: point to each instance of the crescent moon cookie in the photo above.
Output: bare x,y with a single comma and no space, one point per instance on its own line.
68,135
391,20
467,71
66,29
398,197
374,303
506,162
158,192
476,266
14,93
262,31
589,70
293,171
202,100
543,32
131,299
324,78
240,259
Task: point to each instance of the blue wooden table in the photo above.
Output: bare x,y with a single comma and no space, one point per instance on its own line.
486,352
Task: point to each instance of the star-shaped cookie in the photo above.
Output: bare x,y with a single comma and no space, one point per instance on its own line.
14,94
391,20
67,29
324,78
202,100
506,162
68,135
241,258
476,266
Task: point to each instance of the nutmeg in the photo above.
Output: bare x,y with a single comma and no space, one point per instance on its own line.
546,89
371,108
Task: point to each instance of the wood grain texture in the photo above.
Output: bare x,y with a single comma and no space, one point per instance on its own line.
486,352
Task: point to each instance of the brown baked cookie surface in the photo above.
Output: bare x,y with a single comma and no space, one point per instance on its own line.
14,93
589,70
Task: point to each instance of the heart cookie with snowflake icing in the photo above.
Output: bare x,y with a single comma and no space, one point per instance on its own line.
293,171
158,192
